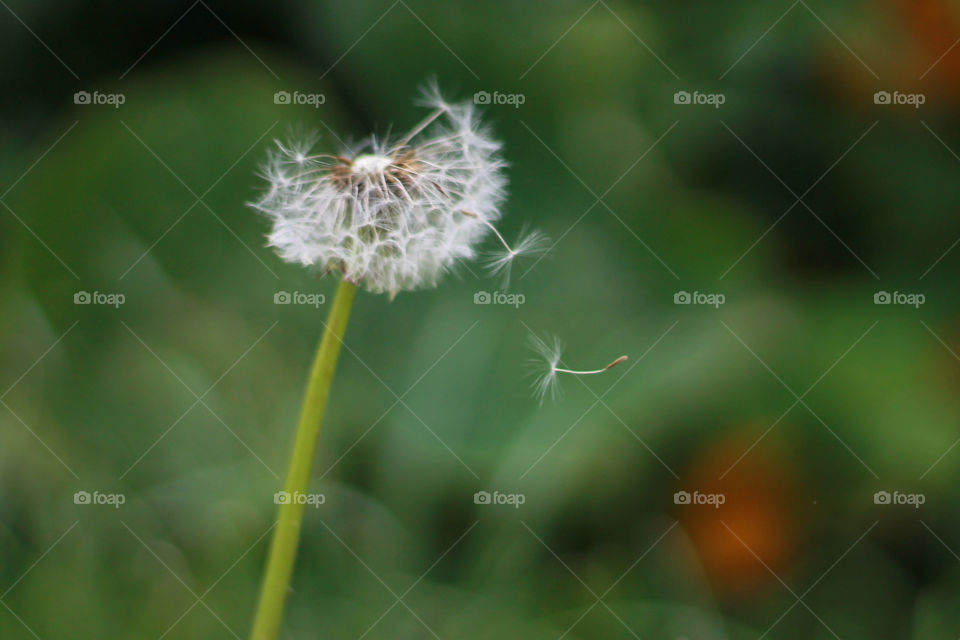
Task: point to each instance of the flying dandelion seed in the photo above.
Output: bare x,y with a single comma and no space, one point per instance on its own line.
500,263
549,350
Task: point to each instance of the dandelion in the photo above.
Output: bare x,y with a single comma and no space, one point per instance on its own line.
549,350
390,215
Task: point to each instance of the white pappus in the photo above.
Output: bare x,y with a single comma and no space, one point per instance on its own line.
394,214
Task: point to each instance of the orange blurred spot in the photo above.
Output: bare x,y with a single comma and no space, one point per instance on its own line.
911,44
756,524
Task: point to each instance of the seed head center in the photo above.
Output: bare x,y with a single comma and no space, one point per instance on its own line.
370,164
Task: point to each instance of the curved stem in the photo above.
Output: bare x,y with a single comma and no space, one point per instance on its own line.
283,545
595,371
492,228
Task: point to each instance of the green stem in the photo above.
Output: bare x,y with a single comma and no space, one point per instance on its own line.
283,546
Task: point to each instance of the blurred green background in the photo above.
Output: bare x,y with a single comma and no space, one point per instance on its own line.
797,400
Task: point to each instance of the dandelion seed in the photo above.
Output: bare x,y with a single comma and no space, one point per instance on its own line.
500,262
549,351
391,214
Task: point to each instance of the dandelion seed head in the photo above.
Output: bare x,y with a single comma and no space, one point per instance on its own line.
390,213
